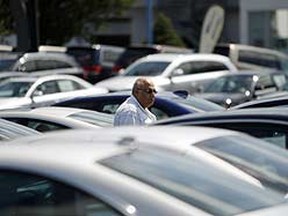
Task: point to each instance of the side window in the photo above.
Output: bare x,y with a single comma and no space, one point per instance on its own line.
265,85
24,194
196,67
259,58
38,125
28,66
49,87
68,85
61,64
268,132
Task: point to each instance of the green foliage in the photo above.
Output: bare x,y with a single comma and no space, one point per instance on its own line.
6,19
164,32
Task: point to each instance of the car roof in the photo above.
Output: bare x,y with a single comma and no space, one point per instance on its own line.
276,114
122,138
174,56
32,78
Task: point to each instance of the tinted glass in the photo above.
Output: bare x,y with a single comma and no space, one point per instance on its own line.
14,89
266,162
189,177
24,194
147,69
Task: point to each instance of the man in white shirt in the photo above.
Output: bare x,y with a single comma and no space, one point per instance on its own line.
134,111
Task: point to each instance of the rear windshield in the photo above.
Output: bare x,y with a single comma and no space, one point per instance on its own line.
147,69
193,178
84,56
222,50
132,54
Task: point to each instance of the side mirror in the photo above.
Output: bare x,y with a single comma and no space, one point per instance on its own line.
37,93
178,72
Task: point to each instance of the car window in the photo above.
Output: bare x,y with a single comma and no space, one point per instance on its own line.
38,125
268,132
266,162
147,69
24,194
51,64
68,85
14,89
27,66
196,67
49,87
192,178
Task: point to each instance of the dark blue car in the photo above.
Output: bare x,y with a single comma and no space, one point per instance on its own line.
167,104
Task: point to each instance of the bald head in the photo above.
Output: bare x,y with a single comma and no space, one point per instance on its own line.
144,91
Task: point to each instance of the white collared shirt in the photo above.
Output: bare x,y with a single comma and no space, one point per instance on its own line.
131,112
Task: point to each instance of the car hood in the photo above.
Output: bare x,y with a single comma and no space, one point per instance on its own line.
221,99
14,103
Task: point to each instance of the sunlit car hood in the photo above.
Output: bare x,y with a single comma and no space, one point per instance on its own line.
12,103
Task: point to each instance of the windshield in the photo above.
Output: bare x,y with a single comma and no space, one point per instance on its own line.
231,84
146,69
266,162
95,118
199,103
194,178
14,89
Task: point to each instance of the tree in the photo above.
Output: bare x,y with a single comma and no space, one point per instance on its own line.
59,20
62,19
164,32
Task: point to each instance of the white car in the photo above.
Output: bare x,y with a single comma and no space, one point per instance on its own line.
30,92
173,71
44,119
137,171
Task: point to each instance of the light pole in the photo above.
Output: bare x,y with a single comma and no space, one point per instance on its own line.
150,21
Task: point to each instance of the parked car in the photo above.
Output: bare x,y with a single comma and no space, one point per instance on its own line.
10,130
152,171
46,119
172,72
233,89
270,124
96,60
166,104
137,51
31,92
252,57
46,63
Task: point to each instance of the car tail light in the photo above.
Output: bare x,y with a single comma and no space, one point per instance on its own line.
92,69
116,68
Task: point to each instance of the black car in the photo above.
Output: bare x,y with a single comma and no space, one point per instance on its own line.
270,124
233,89
167,104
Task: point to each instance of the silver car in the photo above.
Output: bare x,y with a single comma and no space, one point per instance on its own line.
173,71
135,171
31,92
44,119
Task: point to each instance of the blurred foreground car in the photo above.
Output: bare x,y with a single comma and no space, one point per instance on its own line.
166,104
31,92
172,72
152,171
270,124
233,89
46,119
10,130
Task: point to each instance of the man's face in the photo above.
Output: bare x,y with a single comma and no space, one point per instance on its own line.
145,94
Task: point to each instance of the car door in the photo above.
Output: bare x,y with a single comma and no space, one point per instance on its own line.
193,76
